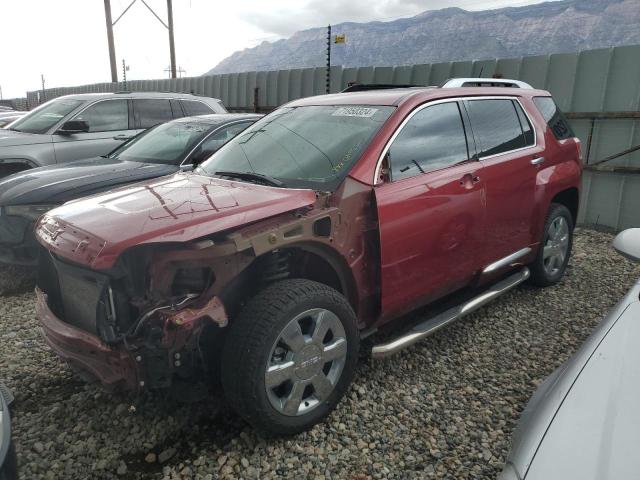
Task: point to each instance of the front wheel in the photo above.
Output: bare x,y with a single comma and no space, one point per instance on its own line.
290,356
555,249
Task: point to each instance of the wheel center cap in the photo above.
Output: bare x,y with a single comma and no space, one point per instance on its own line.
308,362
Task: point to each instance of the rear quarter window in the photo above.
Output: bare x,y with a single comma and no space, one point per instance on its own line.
554,118
192,107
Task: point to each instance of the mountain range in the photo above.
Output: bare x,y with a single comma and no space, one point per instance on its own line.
452,34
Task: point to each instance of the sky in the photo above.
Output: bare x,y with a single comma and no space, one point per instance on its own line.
66,40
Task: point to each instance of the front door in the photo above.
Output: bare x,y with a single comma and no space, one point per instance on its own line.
108,127
431,210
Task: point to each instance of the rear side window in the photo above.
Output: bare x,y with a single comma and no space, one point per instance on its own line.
554,117
150,112
432,139
496,126
192,107
106,116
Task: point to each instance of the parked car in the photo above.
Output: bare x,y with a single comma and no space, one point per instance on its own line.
8,461
582,422
7,117
329,218
74,127
162,150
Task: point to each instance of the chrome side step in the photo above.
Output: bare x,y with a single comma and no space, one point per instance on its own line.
434,324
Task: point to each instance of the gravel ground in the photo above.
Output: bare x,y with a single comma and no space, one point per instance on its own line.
445,408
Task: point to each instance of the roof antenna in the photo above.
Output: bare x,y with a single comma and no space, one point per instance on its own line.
481,69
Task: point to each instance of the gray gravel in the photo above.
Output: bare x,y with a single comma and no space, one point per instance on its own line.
445,408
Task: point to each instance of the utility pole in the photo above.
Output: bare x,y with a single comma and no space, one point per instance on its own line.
112,48
110,25
328,59
172,47
44,95
124,73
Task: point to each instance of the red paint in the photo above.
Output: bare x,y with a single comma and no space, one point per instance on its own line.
394,245
177,208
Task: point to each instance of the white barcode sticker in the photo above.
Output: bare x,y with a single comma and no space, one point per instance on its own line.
364,112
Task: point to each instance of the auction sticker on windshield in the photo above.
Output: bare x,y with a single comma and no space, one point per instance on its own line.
364,112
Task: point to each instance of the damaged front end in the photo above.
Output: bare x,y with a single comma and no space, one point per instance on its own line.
138,324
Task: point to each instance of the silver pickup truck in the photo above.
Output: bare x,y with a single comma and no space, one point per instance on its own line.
80,126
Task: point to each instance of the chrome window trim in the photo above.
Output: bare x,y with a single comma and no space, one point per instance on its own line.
419,108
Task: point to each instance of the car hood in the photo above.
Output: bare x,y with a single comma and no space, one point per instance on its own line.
60,183
595,433
185,206
588,405
11,138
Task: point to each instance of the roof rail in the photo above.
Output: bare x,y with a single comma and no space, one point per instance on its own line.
363,87
122,91
485,82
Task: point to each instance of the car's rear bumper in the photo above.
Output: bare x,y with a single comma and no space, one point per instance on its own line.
86,353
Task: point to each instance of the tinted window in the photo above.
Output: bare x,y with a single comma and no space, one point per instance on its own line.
525,125
495,126
150,112
434,138
166,143
46,116
195,108
554,117
106,116
310,146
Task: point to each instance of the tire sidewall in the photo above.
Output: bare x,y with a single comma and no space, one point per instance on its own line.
265,414
556,210
345,377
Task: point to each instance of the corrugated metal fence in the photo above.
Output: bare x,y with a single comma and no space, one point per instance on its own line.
605,80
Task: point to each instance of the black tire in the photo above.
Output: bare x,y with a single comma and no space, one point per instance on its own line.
540,276
248,348
9,471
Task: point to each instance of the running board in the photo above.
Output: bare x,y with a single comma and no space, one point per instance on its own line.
434,324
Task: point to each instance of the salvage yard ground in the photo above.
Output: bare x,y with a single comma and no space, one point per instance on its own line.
445,408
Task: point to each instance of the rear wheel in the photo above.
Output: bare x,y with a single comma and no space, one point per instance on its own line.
555,249
290,356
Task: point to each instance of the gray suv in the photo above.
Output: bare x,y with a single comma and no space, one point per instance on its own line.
74,127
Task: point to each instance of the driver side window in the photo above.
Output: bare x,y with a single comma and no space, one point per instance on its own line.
432,139
217,140
106,116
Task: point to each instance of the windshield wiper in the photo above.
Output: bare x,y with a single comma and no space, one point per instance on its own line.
250,176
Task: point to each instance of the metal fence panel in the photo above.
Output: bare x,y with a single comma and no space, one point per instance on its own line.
602,80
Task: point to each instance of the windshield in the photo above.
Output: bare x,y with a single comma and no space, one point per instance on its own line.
167,143
46,116
303,147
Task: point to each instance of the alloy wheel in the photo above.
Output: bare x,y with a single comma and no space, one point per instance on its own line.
306,362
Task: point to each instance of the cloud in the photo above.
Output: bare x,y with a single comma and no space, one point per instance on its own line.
273,18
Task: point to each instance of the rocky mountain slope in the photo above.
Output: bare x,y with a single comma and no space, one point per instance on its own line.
453,34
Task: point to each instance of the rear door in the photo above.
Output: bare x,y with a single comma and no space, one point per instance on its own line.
148,112
431,209
108,127
507,149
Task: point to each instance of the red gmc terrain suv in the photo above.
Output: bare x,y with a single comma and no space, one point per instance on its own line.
261,270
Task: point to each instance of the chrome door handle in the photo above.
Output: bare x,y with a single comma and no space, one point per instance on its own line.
537,161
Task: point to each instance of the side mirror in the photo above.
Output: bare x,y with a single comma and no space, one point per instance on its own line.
187,167
74,126
627,243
